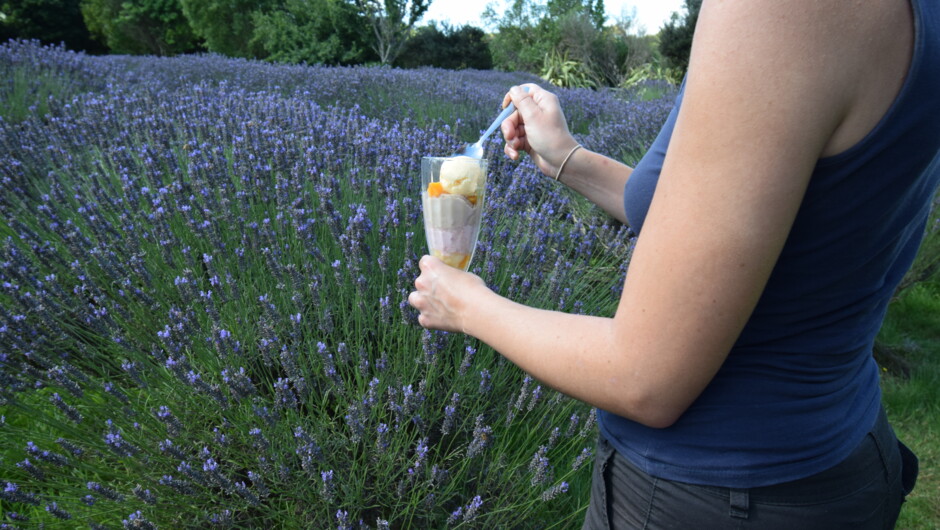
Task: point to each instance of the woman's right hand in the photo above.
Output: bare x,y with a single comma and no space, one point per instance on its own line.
538,127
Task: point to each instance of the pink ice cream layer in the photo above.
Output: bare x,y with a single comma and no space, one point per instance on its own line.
452,240
451,223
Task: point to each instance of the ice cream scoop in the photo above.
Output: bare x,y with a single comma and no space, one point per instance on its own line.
462,175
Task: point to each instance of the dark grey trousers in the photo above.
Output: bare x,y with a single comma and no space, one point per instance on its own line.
864,492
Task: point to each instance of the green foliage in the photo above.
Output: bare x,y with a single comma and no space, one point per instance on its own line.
225,25
652,72
926,266
530,34
906,348
593,10
911,334
49,21
563,72
675,39
143,27
517,45
29,94
312,32
391,22
447,47
602,52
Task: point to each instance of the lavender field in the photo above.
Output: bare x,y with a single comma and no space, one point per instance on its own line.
203,321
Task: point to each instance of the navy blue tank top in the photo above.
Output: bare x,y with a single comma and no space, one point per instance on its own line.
799,389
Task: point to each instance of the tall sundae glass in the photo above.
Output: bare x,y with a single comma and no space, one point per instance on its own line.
452,193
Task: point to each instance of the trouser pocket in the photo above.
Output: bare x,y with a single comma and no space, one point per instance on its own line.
598,514
910,467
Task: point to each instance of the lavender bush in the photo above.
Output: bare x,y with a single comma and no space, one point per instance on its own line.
203,317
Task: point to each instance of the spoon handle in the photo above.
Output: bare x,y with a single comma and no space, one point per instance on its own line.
499,119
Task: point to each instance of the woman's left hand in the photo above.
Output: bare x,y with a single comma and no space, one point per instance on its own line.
443,295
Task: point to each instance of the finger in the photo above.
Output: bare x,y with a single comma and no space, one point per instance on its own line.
506,100
523,98
423,321
510,124
414,299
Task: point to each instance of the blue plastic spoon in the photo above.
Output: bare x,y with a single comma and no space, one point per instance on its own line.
476,150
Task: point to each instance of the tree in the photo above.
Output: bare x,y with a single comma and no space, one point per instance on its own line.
49,21
143,27
518,44
225,25
567,36
313,32
449,48
391,21
593,10
675,39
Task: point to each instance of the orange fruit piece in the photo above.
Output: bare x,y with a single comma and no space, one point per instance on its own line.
472,199
435,189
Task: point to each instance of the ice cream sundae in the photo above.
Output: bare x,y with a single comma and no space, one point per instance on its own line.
452,199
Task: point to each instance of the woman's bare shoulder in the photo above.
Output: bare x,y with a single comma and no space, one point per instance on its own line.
851,57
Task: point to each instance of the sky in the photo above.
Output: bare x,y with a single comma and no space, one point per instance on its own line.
650,14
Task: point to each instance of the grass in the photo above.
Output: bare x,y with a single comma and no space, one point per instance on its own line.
28,94
912,394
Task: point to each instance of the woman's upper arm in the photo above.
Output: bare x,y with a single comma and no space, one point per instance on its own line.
763,95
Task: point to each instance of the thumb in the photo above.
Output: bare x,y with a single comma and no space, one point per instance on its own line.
522,97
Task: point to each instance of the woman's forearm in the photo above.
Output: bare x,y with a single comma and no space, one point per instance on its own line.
577,355
600,179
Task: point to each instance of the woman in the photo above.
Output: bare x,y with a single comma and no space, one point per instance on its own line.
735,384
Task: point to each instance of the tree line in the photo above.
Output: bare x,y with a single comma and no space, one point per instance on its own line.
569,42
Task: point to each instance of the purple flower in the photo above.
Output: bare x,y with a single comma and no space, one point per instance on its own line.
179,486
145,495
470,351
342,518
540,467
421,452
243,490
485,384
70,447
554,491
481,437
136,520
46,456
572,425
473,508
450,414
455,516
536,394
583,457
328,486
12,493
381,440
27,466
57,512
69,411
105,492
258,484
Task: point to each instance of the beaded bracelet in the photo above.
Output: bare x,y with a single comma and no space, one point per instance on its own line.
565,161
